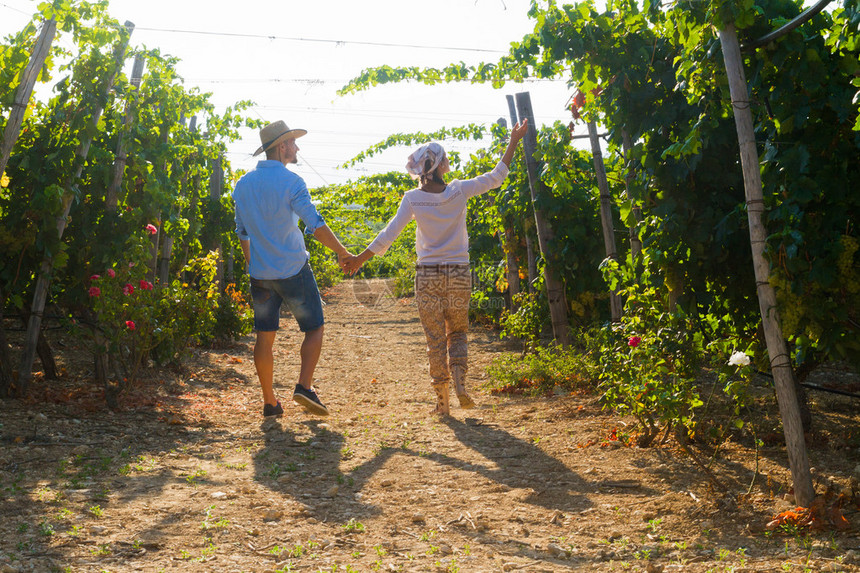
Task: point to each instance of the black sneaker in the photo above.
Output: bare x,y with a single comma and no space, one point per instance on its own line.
276,410
309,400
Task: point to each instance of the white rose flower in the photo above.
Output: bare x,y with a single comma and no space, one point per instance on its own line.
739,359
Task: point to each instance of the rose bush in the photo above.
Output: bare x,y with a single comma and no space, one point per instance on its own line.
128,326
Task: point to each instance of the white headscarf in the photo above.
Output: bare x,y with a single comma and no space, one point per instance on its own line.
432,151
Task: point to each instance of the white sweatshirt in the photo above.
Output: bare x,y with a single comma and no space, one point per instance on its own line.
441,235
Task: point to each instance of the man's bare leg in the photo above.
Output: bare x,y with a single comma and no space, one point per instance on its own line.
264,361
310,354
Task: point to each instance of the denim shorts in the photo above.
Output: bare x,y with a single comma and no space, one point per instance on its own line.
299,292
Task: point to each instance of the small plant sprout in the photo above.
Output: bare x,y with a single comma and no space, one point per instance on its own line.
96,511
353,526
46,529
196,475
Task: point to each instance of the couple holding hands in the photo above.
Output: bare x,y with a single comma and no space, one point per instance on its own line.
271,199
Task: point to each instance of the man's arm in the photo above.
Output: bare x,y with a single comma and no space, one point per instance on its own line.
353,264
246,250
325,236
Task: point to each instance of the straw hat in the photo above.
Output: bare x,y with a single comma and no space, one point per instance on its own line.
274,133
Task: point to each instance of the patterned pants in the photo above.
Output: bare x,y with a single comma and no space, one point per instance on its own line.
442,293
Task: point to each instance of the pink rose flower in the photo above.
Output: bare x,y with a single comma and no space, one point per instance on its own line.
145,284
151,228
95,277
129,324
95,291
111,273
634,341
128,289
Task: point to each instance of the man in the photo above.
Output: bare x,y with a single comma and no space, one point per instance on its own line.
269,202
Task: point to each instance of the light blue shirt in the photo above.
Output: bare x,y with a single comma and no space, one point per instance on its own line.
269,202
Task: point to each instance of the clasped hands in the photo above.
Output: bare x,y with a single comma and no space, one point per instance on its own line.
350,263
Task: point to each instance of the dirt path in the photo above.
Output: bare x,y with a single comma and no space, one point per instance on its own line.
190,477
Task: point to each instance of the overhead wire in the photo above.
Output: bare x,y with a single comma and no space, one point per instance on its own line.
15,9
318,40
336,81
490,118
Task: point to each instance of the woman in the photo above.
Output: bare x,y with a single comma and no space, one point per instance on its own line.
443,283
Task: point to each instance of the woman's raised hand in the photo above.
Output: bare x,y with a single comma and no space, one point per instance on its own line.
519,130
517,133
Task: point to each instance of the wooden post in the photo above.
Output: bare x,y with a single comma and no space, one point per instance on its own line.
554,287
530,251
531,260
216,184
780,362
605,212
25,90
40,294
112,196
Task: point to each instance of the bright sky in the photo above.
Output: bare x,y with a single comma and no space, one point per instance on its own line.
291,57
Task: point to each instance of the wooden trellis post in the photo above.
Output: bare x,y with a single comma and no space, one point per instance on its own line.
530,251
40,294
605,212
780,362
216,187
554,287
112,196
10,134
25,90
